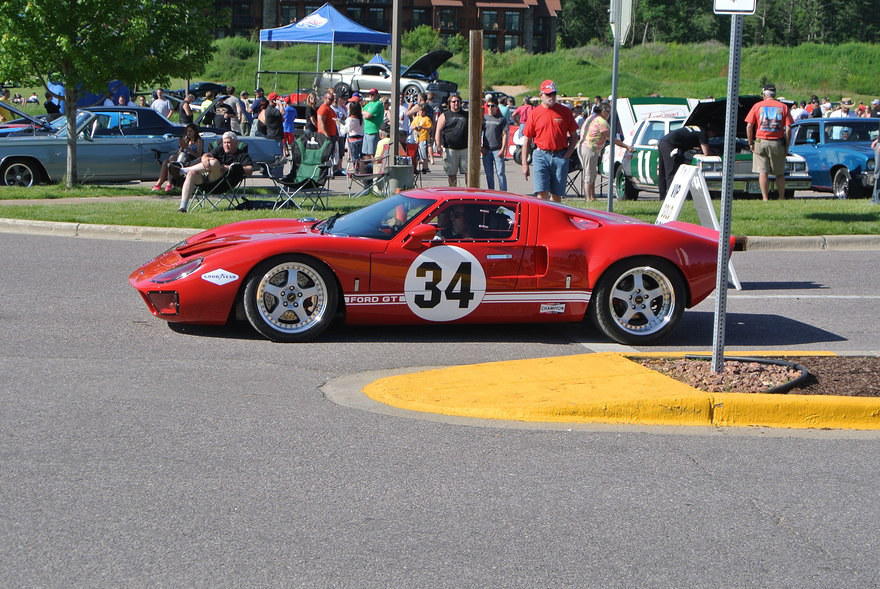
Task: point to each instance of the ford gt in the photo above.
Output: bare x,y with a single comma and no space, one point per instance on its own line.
438,255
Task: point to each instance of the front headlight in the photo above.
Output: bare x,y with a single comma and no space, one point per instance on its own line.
869,165
178,272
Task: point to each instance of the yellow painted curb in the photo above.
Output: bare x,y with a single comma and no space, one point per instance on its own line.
609,388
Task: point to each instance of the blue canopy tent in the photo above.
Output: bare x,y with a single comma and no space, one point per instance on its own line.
324,26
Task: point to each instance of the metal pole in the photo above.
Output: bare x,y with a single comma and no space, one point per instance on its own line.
395,79
475,113
613,123
727,192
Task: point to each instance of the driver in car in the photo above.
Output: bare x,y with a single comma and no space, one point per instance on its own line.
454,223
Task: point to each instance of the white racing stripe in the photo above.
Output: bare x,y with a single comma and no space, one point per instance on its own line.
526,296
794,296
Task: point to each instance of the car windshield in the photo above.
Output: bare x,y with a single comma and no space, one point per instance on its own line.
381,220
59,125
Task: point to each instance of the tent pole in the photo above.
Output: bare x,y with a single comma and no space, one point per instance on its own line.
259,62
332,49
318,58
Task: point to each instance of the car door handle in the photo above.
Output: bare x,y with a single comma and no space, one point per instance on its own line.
499,256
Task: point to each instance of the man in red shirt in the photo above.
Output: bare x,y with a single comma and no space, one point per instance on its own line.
326,116
768,127
554,130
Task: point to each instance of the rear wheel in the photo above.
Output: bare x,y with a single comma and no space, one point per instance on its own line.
290,298
20,173
342,89
842,185
638,301
623,186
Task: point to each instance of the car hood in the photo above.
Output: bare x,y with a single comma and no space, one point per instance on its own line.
242,232
428,63
713,112
11,108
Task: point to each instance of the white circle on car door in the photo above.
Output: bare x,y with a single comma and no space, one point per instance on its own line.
444,283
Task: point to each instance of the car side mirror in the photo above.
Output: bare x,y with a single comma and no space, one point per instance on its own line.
653,142
419,234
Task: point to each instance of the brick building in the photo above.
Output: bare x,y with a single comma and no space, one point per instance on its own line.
506,24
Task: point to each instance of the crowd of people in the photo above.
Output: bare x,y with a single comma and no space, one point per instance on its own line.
547,131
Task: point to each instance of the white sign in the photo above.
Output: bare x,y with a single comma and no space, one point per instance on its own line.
621,11
689,179
735,6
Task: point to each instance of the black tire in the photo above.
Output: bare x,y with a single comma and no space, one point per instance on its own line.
290,298
842,184
20,172
411,94
789,194
639,300
623,186
342,89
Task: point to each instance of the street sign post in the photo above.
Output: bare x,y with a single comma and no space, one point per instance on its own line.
621,20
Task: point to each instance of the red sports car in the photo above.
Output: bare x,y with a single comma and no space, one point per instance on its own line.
440,255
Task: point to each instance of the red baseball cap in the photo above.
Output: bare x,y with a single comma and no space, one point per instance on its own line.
273,96
548,87
372,91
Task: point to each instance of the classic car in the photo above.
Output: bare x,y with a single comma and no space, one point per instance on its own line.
838,152
24,123
415,79
437,256
638,171
113,144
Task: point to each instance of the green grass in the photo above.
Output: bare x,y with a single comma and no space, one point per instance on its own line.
54,191
750,217
666,69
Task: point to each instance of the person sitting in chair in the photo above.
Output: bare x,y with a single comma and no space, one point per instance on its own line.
214,165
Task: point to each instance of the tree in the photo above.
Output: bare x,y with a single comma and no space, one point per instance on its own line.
83,44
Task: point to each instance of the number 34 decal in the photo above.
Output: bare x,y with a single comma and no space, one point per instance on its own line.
444,283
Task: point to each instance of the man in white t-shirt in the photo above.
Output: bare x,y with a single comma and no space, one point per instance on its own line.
161,105
845,111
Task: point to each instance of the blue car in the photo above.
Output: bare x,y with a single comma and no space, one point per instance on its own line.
838,153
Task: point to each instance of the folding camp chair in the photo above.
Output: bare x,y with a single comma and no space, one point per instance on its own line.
370,174
228,189
574,181
310,173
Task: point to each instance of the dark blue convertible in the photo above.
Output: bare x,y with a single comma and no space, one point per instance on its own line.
838,153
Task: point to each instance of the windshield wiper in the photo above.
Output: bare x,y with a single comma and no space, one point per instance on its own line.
329,224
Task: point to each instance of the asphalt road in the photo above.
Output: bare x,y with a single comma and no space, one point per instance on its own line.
133,455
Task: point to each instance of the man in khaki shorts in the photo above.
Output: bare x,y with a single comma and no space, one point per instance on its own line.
768,126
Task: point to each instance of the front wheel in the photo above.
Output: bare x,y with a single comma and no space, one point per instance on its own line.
290,298
638,301
842,185
411,94
19,173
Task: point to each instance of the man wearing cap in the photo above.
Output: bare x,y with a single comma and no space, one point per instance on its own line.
374,117
768,127
845,111
272,119
874,110
552,127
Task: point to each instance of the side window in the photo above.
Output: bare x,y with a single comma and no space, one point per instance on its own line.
806,134
653,131
372,70
460,220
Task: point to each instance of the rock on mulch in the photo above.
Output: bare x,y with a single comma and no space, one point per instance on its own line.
857,376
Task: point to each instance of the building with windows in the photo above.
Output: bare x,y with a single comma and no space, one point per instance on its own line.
506,24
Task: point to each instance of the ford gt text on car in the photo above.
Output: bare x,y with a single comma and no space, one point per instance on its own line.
441,255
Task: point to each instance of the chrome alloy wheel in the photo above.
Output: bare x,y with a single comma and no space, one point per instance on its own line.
642,301
292,297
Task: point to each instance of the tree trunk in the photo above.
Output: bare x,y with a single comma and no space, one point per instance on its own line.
70,98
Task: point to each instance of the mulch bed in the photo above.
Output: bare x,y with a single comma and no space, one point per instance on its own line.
857,376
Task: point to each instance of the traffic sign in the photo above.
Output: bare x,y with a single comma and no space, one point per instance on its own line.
735,6
621,10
